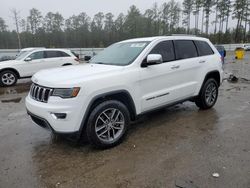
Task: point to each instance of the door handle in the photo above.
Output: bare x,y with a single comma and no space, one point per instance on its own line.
202,61
175,67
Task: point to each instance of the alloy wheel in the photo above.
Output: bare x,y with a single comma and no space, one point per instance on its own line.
109,125
8,79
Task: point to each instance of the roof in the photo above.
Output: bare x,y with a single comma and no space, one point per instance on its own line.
52,49
32,48
150,39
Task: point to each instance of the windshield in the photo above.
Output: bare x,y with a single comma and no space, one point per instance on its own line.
120,54
22,54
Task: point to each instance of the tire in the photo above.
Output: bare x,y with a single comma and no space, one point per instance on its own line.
8,78
208,94
103,130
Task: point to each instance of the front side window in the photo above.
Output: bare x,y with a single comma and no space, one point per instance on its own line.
166,49
185,49
120,54
203,48
37,55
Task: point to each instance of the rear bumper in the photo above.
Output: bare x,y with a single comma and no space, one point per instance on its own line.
221,76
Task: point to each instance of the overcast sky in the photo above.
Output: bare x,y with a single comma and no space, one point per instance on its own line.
68,8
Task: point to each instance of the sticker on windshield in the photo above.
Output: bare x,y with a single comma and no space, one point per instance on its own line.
138,45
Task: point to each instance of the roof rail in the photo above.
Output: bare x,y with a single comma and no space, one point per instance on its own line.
183,35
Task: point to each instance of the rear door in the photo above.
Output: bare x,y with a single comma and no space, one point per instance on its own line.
206,59
55,58
188,66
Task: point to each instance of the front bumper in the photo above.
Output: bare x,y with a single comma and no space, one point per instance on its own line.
40,121
42,114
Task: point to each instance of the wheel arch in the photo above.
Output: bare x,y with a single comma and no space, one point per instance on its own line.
11,69
119,95
213,74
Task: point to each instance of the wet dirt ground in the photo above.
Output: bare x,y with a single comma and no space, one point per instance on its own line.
176,147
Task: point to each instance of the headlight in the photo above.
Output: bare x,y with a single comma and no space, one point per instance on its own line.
66,93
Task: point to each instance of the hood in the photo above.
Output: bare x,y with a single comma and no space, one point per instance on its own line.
70,76
3,64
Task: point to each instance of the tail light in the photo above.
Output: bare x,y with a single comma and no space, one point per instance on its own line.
77,59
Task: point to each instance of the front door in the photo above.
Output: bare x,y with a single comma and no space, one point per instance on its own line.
36,62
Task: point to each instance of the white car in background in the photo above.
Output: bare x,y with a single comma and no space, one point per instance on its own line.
24,50
246,47
31,61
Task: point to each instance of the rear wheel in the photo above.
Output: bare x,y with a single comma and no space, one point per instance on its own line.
8,78
208,94
107,124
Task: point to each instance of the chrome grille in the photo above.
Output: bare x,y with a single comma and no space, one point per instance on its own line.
40,93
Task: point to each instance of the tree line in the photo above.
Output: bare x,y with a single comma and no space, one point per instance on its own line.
208,18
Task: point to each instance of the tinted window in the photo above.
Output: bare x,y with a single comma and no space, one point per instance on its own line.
63,54
185,49
166,49
52,54
203,48
37,55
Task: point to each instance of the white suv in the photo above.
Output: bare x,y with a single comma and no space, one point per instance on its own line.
125,80
33,60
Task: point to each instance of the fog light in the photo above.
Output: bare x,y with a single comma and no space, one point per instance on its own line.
59,115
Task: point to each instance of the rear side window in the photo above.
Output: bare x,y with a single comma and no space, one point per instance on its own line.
203,48
63,54
166,49
53,54
185,49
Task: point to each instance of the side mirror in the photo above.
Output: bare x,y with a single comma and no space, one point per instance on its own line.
153,59
28,59
87,58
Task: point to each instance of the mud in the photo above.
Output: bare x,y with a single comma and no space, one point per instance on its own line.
174,147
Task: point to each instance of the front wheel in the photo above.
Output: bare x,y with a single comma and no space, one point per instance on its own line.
8,78
208,94
107,124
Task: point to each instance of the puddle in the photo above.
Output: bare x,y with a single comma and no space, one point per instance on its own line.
15,100
21,88
17,114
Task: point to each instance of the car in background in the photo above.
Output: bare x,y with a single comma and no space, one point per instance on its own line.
24,50
221,49
6,58
246,47
30,62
